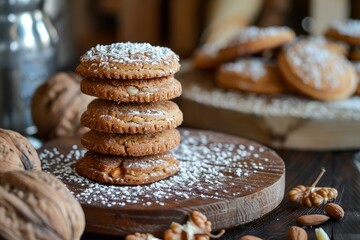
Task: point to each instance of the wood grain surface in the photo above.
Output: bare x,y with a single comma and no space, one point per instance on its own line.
231,180
342,172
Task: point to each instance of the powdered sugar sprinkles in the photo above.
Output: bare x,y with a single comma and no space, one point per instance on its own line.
254,68
213,166
350,27
130,53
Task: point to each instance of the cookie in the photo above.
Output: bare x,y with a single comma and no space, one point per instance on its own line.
131,144
111,117
111,169
36,205
128,61
207,56
347,31
316,72
16,152
152,90
250,40
57,105
251,75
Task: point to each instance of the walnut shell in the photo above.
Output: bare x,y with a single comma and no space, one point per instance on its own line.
16,152
36,205
57,105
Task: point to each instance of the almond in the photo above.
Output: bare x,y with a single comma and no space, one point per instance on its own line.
249,237
312,220
334,211
297,233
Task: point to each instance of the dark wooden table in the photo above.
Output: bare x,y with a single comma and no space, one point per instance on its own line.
342,173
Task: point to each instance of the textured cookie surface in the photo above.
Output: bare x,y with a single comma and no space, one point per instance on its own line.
36,205
346,31
128,61
317,72
111,117
152,90
16,152
131,144
118,170
57,106
251,75
248,41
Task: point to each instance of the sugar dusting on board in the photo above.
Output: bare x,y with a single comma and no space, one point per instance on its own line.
209,170
128,53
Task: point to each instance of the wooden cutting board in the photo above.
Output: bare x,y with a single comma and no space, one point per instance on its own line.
281,121
230,179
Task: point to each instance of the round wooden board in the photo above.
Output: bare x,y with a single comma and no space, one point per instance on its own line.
230,179
281,121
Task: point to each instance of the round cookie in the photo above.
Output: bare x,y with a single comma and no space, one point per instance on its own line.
251,75
131,144
253,40
347,31
16,152
111,169
128,61
36,205
207,56
315,71
152,90
112,117
57,106
250,40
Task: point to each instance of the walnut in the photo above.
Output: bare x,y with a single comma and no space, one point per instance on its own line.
141,236
57,105
196,228
312,196
16,152
36,205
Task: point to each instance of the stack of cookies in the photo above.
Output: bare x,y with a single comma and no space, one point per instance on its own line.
132,122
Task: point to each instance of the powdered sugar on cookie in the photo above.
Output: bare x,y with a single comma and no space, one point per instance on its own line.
254,68
255,33
129,53
316,65
350,27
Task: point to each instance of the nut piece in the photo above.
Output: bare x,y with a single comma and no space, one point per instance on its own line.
334,211
138,120
250,237
132,90
321,234
312,220
141,236
297,233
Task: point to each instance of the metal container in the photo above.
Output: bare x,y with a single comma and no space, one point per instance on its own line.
27,57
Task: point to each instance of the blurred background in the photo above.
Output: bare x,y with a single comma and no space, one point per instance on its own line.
184,24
